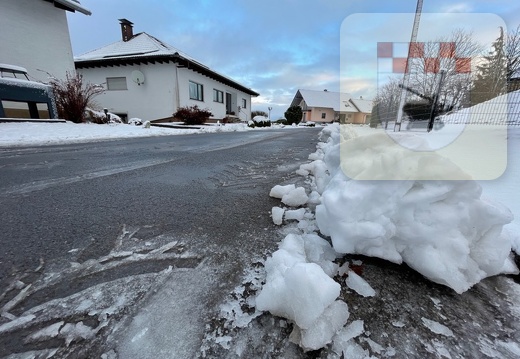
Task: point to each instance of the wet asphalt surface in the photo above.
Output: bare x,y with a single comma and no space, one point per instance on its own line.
70,203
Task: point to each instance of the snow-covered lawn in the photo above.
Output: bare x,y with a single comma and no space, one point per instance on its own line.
35,134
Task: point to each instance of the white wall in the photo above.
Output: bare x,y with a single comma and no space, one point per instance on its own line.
157,97
218,109
35,35
154,99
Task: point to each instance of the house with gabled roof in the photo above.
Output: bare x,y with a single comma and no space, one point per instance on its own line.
148,79
328,106
35,36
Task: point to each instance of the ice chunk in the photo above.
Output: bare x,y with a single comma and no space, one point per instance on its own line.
77,331
325,327
277,215
359,285
301,293
342,341
437,327
296,197
375,347
314,198
279,191
296,214
302,172
319,251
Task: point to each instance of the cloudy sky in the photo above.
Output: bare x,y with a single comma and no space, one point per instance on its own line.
278,46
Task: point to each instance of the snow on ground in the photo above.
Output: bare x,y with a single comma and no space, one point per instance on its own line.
30,133
449,231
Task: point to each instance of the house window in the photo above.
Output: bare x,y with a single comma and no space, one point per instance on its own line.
116,83
218,96
244,103
196,91
323,115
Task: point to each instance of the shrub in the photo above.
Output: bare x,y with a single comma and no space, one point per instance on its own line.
259,121
258,113
293,114
73,96
192,115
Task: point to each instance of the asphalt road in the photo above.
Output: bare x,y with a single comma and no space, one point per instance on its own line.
58,199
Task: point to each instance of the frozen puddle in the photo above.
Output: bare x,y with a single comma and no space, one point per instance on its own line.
73,309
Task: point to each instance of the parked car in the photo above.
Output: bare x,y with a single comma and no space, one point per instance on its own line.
22,98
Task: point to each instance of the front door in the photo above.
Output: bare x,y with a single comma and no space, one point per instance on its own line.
228,104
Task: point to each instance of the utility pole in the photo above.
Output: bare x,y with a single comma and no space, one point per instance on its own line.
406,79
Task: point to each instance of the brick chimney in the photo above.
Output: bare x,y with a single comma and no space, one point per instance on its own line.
127,30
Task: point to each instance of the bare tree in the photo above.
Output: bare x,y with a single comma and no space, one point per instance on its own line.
453,55
386,103
512,50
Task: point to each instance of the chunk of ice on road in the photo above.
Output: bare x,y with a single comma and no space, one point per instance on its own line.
296,197
277,215
325,327
342,341
279,191
295,214
359,285
319,251
437,327
302,172
301,293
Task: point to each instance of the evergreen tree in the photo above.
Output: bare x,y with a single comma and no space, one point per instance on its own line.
492,73
293,114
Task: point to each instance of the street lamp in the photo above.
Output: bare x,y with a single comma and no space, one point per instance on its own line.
269,108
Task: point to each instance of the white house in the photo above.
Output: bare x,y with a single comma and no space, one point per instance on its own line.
149,79
35,36
328,106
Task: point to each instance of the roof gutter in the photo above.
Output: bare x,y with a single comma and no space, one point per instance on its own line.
74,6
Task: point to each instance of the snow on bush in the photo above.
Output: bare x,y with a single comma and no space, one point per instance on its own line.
442,229
135,121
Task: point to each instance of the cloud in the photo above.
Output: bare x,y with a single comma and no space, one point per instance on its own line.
457,7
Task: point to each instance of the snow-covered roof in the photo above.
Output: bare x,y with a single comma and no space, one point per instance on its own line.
143,47
70,5
362,104
338,101
140,45
325,99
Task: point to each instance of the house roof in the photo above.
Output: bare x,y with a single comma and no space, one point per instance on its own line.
144,48
338,101
70,5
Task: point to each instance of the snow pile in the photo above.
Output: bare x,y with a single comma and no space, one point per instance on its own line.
299,287
442,229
